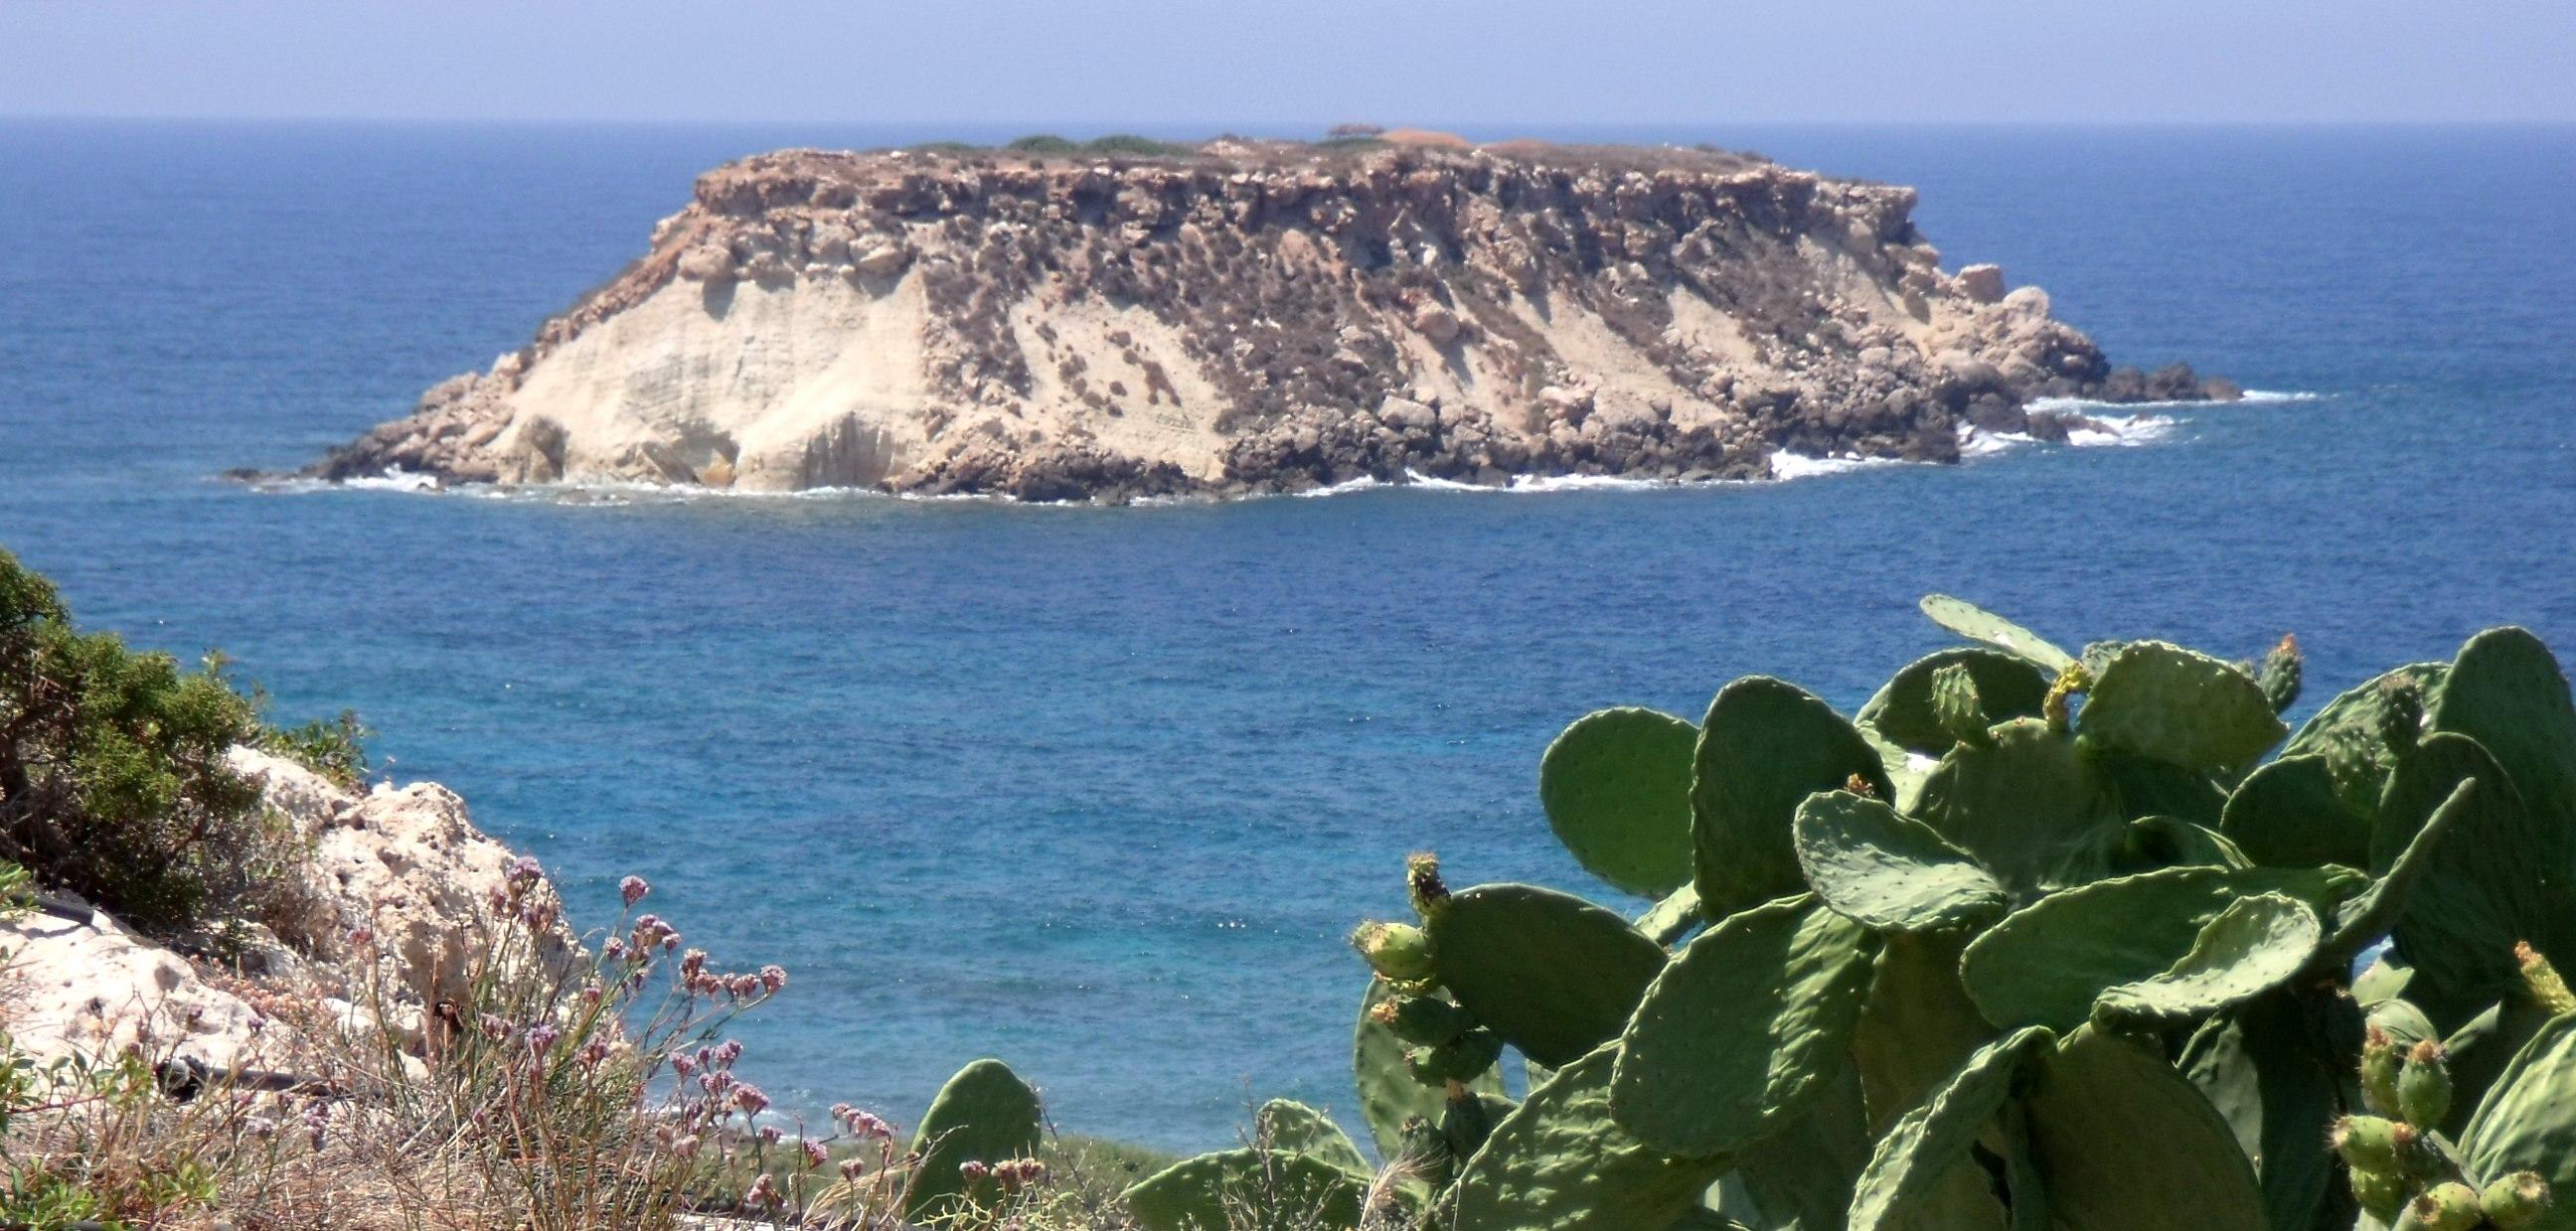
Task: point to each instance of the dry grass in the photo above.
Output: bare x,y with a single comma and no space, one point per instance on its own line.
551,1098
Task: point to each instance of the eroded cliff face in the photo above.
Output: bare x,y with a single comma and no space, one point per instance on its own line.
1257,317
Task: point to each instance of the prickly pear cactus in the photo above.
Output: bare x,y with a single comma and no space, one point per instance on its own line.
1743,1030
1908,713
1278,1190
1616,786
2169,704
1931,1141
1560,1162
1285,1124
1887,871
985,1114
2045,964
1978,624
1763,749
2528,1123
1389,1093
1554,975
2082,975
2123,1143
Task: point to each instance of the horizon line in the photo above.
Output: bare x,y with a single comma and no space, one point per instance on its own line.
1260,127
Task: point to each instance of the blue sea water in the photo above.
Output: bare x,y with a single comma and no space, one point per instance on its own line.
1099,790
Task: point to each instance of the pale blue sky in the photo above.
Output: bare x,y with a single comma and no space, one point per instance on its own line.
1253,64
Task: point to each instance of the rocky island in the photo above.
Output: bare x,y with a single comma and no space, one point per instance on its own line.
1052,322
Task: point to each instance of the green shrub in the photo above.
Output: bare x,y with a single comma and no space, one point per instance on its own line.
335,748
1042,143
1131,144
113,782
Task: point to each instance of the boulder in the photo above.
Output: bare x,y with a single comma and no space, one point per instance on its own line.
1982,283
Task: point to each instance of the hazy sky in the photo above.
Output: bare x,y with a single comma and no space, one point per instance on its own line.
1249,63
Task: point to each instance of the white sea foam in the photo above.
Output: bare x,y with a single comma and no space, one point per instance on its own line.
2137,427
1787,466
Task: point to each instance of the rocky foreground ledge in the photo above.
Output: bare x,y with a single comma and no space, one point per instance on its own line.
1257,317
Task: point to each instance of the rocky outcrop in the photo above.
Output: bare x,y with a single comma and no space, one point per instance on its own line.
1259,316
397,892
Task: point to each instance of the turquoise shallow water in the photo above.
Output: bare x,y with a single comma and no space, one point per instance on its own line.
1098,790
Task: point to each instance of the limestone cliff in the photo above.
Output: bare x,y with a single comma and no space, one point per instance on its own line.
1257,316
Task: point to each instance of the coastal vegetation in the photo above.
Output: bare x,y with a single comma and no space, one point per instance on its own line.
2033,938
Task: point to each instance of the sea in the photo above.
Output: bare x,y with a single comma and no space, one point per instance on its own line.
1099,790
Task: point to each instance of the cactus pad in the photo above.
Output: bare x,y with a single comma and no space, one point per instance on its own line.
2288,815
2122,1142
1887,871
1929,1141
2166,703
2346,732
1763,749
1554,975
984,1114
1616,786
2477,894
1285,1124
2505,691
2007,686
1281,1190
1743,1029
2018,805
2044,964
2527,1121
1560,1162
2251,947
1389,1095
1978,624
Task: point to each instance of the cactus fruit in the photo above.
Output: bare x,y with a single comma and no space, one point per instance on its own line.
2381,1194
1740,1033
2165,703
1764,747
2527,1122
2424,1085
1424,1155
2447,1206
1422,884
2367,1143
1399,951
2280,672
2541,979
1388,1093
2381,1058
1616,789
1458,1060
2516,1201
1554,975
984,1115
1423,1021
